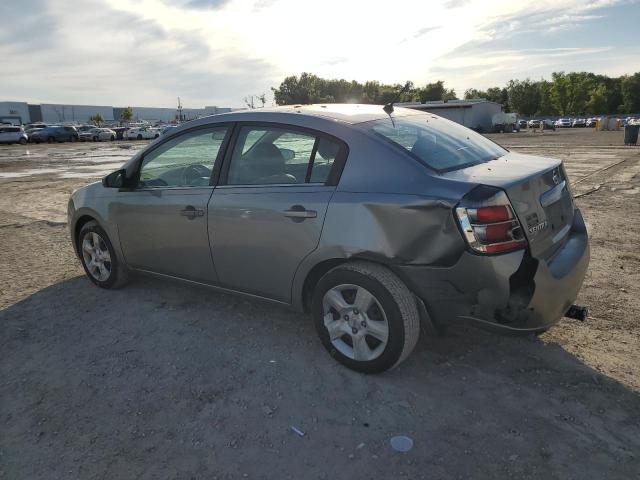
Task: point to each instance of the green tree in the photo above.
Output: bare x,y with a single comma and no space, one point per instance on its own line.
630,89
524,96
597,102
545,102
96,119
127,114
435,91
573,93
474,93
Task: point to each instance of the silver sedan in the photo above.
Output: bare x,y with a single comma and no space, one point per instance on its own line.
374,220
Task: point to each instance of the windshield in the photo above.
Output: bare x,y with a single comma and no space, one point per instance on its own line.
439,143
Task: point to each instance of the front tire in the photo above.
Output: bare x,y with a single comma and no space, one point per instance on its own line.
366,317
23,141
139,137
98,257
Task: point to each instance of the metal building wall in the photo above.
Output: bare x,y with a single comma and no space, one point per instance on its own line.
14,112
58,113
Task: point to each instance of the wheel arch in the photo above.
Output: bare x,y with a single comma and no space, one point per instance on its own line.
312,278
81,222
303,289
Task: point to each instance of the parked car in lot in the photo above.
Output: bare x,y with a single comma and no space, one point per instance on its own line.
579,123
35,126
372,222
522,123
168,129
98,134
120,132
54,134
591,122
13,134
535,123
140,133
564,123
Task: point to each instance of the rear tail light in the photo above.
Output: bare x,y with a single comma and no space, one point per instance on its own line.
489,225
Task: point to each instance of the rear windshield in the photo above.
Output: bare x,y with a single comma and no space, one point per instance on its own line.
439,143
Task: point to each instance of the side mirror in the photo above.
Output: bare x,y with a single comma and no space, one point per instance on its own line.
117,179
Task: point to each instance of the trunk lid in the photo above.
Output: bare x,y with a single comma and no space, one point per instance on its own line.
539,192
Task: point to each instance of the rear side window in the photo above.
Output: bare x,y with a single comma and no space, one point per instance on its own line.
268,156
441,144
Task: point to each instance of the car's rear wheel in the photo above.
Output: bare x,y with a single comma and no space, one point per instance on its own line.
73,139
113,138
366,316
23,141
139,137
50,139
98,257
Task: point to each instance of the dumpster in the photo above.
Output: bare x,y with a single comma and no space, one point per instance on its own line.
631,134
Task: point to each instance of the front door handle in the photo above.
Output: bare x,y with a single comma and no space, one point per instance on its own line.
192,212
298,212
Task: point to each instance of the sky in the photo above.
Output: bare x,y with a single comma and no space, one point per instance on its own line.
216,52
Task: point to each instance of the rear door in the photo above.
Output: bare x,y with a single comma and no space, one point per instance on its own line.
267,213
162,223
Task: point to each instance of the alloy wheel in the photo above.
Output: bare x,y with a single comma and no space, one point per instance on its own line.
356,322
96,256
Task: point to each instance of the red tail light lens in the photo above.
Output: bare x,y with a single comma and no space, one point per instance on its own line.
492,227
499,213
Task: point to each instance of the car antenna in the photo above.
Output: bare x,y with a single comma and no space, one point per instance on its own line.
389,106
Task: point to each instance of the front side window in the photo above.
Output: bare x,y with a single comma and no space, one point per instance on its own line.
441,144
184,161
267,156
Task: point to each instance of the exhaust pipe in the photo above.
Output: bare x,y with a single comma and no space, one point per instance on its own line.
577,312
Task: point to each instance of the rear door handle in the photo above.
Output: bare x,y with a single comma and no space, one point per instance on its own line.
298,211
192,212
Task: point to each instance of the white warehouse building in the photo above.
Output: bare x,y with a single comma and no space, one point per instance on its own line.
23,113
475,113
14,112
58,113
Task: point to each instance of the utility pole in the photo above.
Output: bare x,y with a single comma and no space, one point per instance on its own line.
179,111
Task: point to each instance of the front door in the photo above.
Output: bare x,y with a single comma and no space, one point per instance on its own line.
267,213
162,223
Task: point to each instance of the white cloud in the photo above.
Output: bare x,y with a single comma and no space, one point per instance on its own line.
217,51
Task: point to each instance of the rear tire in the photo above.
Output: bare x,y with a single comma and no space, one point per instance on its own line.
50,140
139,137
113,138
98,256
360,319
23,141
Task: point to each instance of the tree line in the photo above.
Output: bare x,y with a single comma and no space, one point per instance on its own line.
574,93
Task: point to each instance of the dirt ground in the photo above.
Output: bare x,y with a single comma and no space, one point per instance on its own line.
161,380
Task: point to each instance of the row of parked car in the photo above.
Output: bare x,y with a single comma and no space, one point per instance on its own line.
570,122
42,133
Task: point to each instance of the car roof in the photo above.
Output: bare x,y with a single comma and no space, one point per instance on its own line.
344,112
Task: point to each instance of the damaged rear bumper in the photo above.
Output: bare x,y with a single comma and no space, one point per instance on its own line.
510,292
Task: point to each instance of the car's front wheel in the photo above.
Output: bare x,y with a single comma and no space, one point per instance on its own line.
366,316
98,257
